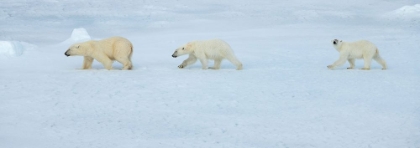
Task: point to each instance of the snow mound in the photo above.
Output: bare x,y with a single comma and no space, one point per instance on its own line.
408,11
14,48
78,35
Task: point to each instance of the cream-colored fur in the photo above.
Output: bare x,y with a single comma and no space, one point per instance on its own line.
215,49
105,51
349,51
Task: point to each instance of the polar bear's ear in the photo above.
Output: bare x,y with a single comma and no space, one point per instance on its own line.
189,45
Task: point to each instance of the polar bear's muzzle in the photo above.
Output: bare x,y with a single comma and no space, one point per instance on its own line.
67,53
174,55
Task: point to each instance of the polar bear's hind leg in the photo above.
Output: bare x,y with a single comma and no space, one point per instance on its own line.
379,59
105,60
235,61
127,65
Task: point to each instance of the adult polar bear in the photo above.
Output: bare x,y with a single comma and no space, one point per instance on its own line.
104,51
357,50
214,49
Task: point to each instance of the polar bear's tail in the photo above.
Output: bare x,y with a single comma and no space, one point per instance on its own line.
379,59
131,53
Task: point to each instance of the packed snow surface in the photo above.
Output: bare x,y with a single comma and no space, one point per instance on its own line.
285,97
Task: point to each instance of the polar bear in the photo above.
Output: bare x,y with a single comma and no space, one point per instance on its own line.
215,49
105,51
356,50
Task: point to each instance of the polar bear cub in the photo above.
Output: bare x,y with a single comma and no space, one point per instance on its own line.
214,49
356,50
105,51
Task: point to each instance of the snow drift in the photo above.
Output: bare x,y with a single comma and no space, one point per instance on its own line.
77,35
14,48
407,12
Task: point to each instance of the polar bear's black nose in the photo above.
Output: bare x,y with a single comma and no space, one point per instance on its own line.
174,55
66,54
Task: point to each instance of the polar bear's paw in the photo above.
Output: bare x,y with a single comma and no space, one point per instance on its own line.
214,68
330,67
181,66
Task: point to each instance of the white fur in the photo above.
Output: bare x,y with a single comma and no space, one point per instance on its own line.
215,49
104,51
357,50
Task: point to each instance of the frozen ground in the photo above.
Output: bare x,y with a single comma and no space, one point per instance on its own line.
285,97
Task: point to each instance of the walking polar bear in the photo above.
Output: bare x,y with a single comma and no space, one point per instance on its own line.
215,49
105,51
357,50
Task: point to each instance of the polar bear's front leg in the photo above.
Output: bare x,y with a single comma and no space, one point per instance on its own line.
339,62
190,60
203,63
87,62
351,61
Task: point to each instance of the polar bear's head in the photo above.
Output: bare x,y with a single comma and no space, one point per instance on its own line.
75,49
336,42
183,50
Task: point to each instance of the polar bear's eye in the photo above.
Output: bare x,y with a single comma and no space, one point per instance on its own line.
182,48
